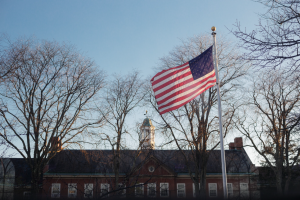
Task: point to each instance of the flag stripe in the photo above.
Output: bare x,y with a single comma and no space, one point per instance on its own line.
170,76
184,101
175,81
167,71
185,90
179,85
169,88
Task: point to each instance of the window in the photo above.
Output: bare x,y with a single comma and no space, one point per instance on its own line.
88,190
104,189
151,189
147,131
164,189
194,189
180,189
151,169
212,189
230,190
139,190
72,190
244,191
121,191
55,190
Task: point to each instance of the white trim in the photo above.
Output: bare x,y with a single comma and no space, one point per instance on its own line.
141,187
244,190
72,190
213,187
55,195
230,189
161,185
152,185
183,195
104,186
88,187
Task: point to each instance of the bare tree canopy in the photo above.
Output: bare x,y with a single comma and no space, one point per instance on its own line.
46,97
124,93
195,126
269,122
276,39
6,66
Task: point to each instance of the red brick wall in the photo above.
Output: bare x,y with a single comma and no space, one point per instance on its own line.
131,182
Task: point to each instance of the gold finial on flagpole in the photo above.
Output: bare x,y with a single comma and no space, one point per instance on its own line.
213,28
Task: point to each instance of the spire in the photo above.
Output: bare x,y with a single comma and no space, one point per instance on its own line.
147,134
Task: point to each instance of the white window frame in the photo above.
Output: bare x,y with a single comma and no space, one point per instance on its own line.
194,189
184,191
104,186
72,187
141,186
121,185
151,185
244,184
230,189
161,184
88,187
210,188
245,192
55,195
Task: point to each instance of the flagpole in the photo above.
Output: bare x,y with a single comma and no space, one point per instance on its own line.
225,191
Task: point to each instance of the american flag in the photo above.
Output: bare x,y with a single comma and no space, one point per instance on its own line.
179,85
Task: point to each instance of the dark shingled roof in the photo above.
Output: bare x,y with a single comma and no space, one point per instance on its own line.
101,161
22,171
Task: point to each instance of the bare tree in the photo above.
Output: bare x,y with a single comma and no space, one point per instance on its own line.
6,172
46,97
275,41
272,100
123,95
195,126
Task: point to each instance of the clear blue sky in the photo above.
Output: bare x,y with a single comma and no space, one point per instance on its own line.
121,35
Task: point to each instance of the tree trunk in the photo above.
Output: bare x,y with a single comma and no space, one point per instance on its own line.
117,162
287,184
203,183
3,186
36,176
279,182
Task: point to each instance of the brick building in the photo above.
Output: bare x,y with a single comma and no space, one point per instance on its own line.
146,172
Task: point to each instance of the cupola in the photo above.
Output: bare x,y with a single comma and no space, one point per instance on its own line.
147,134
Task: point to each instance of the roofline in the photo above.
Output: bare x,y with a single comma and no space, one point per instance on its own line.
183,175
81,174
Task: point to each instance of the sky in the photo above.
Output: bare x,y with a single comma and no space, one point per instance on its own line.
122,35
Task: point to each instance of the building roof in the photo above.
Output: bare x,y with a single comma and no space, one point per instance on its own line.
22,171
147,122
101,161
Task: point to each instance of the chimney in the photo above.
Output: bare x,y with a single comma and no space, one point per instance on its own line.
55,144
46,168
231,146
238,142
